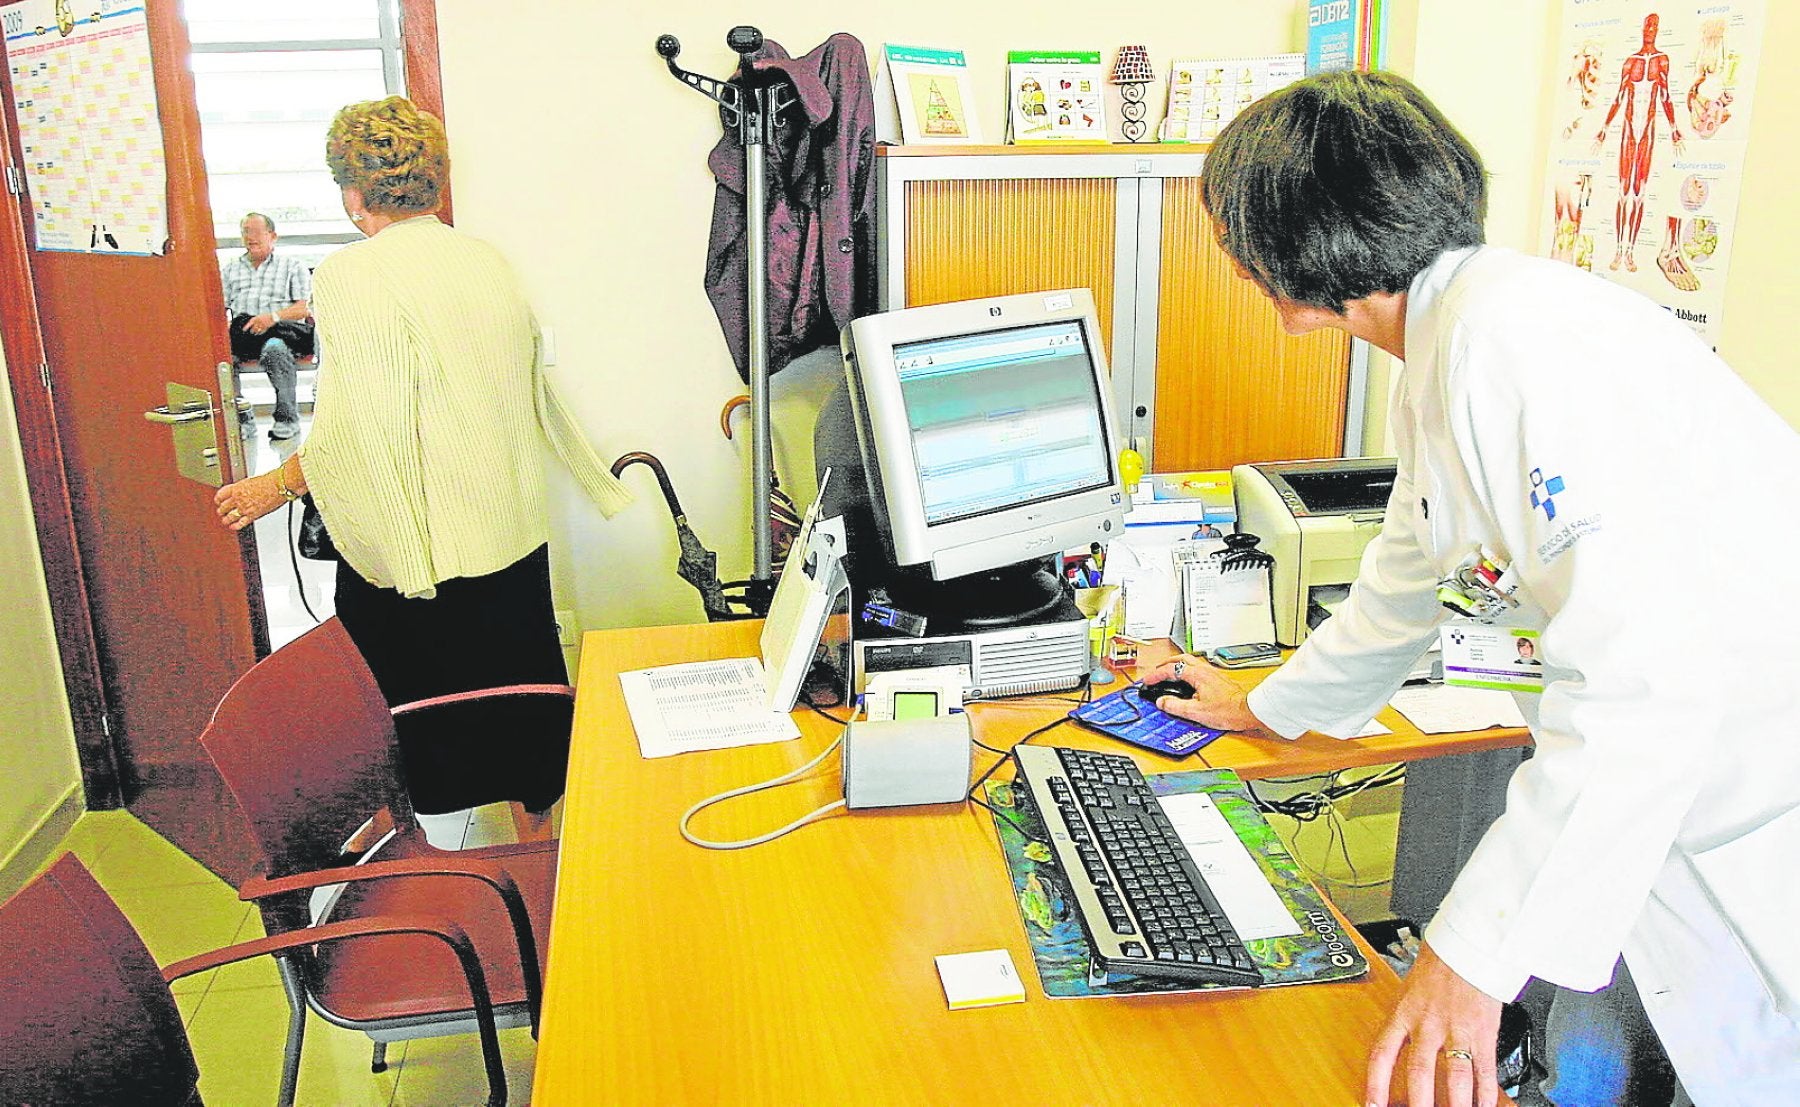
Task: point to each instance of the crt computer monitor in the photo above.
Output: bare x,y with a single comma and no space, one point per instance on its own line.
986,430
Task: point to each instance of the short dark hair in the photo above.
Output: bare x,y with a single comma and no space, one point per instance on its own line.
1343,185
267,222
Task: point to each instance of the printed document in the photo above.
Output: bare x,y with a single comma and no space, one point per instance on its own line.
703,705
1444,709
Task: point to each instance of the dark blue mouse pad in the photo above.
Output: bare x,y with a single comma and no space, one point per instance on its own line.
1130,718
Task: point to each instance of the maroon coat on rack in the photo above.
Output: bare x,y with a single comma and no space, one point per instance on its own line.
821,210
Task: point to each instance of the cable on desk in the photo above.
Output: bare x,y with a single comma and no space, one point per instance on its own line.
1000,760
746,790
817,710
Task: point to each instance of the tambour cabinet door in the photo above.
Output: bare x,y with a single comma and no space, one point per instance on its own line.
1231,385
970,238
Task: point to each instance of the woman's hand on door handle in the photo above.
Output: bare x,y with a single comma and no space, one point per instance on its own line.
244,502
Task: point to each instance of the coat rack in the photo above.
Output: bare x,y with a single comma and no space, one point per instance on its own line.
751,103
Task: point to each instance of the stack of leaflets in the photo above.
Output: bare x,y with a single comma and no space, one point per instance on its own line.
923,97
1055,96
1198,497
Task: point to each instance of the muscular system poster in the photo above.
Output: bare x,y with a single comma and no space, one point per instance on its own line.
1647,145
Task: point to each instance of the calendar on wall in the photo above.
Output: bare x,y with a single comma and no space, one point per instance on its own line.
84,101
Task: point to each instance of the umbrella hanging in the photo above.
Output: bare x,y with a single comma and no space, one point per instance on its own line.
695,564
784,516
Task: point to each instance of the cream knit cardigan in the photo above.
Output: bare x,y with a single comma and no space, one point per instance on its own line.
426,451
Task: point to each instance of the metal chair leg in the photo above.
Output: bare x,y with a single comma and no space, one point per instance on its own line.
290,1058
378,1063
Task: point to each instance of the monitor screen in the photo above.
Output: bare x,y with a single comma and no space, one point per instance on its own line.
985,430
1002,419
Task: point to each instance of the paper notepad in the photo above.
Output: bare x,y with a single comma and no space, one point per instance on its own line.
980,979
1225,607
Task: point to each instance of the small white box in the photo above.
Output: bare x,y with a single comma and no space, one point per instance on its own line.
981,979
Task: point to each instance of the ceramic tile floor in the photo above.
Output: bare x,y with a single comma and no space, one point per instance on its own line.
237,1016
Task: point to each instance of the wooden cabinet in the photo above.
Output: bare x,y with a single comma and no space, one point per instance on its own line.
1203,375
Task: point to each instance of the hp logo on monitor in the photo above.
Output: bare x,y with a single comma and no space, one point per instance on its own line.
993,311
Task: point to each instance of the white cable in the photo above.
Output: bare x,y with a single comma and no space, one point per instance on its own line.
746,790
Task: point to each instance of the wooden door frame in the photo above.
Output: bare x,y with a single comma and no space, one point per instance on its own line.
46,467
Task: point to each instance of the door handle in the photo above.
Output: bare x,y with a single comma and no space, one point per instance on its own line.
189,413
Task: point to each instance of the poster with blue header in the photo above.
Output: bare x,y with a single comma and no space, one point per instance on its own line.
1331,32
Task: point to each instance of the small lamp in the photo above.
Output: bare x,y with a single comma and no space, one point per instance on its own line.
1131,72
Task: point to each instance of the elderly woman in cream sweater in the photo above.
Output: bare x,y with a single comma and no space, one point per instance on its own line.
425,462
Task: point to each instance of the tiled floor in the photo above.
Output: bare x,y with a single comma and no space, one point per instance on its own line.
237,1016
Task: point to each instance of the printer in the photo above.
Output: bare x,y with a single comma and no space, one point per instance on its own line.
1314,518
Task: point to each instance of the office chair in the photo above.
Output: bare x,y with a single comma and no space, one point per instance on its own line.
306,743
87,1018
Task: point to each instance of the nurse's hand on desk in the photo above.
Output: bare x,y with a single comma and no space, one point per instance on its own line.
1451,1027
1217,702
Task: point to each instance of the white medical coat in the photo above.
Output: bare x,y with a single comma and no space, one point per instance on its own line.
1660,817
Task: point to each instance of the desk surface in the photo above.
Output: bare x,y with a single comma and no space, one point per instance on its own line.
801,971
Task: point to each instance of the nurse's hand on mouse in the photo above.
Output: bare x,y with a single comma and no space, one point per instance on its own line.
1217,702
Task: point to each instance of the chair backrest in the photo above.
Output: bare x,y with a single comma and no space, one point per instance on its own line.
306,742
84,1013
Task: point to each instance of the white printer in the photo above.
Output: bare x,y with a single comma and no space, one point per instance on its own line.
1314,517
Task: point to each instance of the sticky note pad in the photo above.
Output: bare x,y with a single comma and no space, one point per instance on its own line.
980,979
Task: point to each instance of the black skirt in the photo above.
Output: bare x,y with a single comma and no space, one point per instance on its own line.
477,632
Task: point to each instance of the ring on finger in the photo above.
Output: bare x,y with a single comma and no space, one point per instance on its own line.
1179,666
1459,1054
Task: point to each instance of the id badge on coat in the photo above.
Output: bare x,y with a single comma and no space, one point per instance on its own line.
1484,655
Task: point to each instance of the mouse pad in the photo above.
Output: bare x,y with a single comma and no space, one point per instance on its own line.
1130,718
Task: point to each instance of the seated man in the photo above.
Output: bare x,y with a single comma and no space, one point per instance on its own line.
265,296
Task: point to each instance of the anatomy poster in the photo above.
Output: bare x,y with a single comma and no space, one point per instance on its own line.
1647,152
85,104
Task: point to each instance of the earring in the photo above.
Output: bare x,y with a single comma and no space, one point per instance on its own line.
357,218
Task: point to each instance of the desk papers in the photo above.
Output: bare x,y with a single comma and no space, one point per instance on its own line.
703,705
1444,709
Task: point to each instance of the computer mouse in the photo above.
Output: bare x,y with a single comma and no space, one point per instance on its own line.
1153,692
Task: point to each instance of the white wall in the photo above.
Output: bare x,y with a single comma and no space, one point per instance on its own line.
577,153
38,770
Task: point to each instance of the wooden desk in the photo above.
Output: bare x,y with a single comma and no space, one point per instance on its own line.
1254,758
801,971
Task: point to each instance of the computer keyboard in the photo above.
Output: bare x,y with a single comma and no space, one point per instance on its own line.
1140,898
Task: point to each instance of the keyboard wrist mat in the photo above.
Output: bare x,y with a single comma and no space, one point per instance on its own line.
1322,951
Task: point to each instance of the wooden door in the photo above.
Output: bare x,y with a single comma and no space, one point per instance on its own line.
1231,385
971,238
169,592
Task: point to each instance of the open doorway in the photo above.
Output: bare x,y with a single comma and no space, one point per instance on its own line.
268,77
